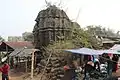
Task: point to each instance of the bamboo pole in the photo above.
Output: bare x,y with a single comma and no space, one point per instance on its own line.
7,53
46,66
32,66
35,61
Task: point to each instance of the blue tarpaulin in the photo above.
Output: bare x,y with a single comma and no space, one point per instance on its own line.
108,51
88,51
85,51
116,47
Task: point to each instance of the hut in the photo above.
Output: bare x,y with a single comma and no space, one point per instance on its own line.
20,59
18,53
109,41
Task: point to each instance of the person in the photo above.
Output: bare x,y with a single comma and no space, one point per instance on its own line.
89,66
78,70
96,63
69,73
5,69
115,58
102,58
109,66
87,58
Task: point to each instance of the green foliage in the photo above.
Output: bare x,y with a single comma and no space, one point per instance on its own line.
27,36
57,48
85,38
100,31
1,39
79,38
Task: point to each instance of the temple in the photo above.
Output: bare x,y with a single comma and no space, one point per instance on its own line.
52,24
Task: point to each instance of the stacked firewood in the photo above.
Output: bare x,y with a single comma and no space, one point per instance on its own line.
57,68
54,68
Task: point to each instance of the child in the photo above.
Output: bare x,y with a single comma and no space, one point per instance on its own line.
5,69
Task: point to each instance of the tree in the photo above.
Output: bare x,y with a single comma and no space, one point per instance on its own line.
1,39
79,38
100,31
27,36
85,38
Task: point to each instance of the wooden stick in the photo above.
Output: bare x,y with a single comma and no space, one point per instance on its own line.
32,66
35,61
46,66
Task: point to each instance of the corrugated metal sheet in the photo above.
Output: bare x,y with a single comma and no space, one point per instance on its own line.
19,45
23,52
11,46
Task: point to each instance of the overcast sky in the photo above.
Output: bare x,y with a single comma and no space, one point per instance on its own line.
17,16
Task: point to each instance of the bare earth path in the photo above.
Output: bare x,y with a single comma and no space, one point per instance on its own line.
20,75
16,75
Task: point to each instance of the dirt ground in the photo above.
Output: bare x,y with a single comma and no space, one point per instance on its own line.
14,75
17,75
26,76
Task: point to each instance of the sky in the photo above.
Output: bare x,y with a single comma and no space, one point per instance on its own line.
18,16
